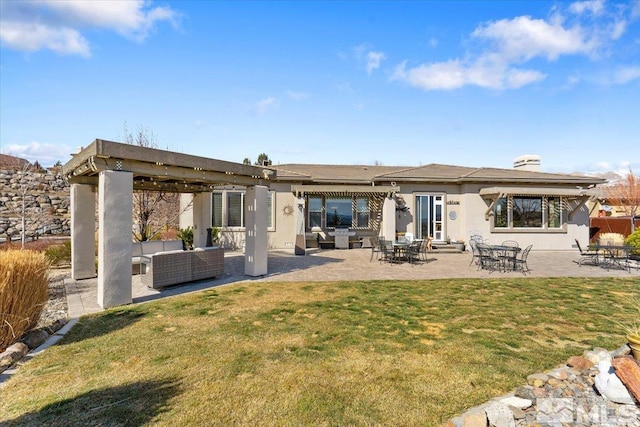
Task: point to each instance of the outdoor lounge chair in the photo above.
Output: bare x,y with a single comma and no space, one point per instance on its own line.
587,256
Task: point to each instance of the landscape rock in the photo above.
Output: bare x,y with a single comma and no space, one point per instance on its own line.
499,415
580,363
35,338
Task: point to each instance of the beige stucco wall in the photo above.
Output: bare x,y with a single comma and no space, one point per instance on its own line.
464,199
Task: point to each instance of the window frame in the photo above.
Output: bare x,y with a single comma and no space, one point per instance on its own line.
545,216
223,194
355,210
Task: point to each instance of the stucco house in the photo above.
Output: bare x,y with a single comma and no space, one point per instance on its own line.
446,203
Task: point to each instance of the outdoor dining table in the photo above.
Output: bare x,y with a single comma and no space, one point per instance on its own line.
506,255
614,256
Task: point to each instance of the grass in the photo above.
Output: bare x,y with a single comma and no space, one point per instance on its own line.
327,354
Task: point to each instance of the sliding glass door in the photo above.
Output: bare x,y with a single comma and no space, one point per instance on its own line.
429,216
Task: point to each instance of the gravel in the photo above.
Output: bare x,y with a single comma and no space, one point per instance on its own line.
56,309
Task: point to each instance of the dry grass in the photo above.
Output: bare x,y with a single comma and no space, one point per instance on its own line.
290,354
23,293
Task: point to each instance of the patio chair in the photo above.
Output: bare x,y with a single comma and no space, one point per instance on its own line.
375,247
388,253
511,243
413,251
520,261
475,252
488,259
587,256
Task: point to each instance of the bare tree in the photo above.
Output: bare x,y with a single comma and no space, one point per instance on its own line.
153,211
626,195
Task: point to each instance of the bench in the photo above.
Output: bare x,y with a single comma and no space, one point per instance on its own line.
175,267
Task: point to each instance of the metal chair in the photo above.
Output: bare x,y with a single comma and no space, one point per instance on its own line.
587,256
488,259
520,262
511,243
375,247
473,244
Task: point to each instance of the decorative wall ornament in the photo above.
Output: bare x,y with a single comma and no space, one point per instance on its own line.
287,210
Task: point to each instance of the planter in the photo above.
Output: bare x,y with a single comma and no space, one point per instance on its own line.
458,246
634,343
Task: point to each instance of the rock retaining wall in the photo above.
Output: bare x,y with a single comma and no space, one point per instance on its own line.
46,198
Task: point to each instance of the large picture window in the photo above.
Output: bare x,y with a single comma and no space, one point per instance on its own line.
520,212
338,211
227,209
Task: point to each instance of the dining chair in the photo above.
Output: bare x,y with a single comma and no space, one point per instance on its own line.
511,243
520,261
475,252
413,251
488,259
375,247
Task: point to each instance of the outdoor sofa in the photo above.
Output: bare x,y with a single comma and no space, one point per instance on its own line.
169,266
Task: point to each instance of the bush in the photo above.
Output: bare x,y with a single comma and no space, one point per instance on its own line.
59,254
24,290
633,239
186,235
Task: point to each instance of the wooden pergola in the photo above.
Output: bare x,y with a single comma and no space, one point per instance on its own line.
116,169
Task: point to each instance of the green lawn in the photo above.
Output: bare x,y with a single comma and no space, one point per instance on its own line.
322,354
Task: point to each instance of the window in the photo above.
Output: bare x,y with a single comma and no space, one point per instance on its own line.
338,211
527,212
362,212
315,211
520,212
501,213
227,208
554,212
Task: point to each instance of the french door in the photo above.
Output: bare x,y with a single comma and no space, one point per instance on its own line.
429,216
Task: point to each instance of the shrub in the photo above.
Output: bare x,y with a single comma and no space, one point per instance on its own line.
59,254
186,235
633,239
24,290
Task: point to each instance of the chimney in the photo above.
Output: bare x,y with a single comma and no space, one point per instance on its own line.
527,162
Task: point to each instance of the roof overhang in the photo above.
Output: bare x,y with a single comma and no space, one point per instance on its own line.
160,170
536,191
345,190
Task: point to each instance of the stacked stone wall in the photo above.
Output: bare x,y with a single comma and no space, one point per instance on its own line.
46,199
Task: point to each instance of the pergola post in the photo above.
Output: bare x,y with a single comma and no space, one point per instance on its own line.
115,195
83,232
201,218
389,219
255,261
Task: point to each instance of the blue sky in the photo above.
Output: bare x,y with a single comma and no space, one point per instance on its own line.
468,83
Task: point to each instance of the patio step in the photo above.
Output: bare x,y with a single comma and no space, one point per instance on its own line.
446,247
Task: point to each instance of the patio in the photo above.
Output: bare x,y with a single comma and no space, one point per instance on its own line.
333,265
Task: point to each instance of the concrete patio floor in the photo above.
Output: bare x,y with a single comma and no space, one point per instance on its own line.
353,264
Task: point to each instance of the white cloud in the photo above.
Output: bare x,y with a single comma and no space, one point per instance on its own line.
297,96
505,45
454,74
267,103
44,153
373,60
33,36
626,74
594,7
524,38
33,25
